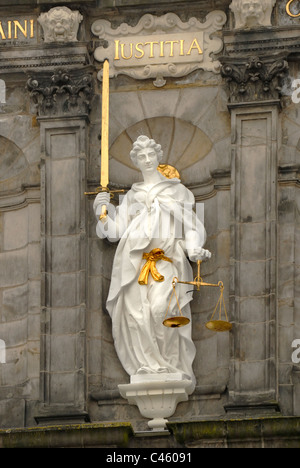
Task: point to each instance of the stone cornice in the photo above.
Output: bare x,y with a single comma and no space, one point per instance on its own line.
262,41
19,3
43,57
19,199
268,432
289,175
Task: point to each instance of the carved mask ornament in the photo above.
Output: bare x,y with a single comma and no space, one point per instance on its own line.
60,24
252,13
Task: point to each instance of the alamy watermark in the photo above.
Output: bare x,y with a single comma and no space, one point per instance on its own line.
165,220
2,92
296,92
296,353
2,352
291,87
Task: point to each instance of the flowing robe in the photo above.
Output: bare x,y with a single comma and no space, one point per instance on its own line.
152,217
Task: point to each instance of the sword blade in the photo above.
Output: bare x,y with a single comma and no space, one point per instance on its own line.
104,176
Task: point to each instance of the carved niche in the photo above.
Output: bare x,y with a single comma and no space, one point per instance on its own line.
252,13
60,24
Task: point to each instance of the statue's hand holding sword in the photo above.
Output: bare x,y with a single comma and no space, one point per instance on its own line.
102,200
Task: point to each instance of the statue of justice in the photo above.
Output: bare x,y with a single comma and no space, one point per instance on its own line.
158,235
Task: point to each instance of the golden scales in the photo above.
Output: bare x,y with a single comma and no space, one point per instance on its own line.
218,325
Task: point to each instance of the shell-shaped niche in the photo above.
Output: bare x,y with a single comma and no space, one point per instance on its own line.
184,145
13,165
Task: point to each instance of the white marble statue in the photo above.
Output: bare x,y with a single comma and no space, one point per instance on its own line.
156,218
252,13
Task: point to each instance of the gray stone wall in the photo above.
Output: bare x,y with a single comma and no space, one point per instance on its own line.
19,256
288,253
237,150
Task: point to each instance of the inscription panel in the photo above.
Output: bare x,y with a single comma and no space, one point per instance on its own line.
21,30
156,51
159,47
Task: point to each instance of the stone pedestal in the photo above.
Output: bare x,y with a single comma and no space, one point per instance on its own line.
157,396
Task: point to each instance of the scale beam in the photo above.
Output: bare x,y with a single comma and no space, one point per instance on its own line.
213,325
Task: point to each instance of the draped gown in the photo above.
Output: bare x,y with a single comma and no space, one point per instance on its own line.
149,217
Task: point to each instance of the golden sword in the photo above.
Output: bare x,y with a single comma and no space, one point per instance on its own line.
104,174
105,136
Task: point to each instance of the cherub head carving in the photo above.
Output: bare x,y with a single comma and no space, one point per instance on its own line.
60,24
252,13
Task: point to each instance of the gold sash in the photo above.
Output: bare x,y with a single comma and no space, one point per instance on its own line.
150,266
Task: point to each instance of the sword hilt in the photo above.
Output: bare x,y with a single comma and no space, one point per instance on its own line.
104,213
100,189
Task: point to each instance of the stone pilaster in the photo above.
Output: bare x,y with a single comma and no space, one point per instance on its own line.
253,254
62,100
254,85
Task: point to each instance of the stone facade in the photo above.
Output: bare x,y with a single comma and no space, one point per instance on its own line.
234,137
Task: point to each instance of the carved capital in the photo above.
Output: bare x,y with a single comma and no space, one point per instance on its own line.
254,78
61,93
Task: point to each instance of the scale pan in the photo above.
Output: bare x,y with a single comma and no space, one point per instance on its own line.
176,322
218,325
